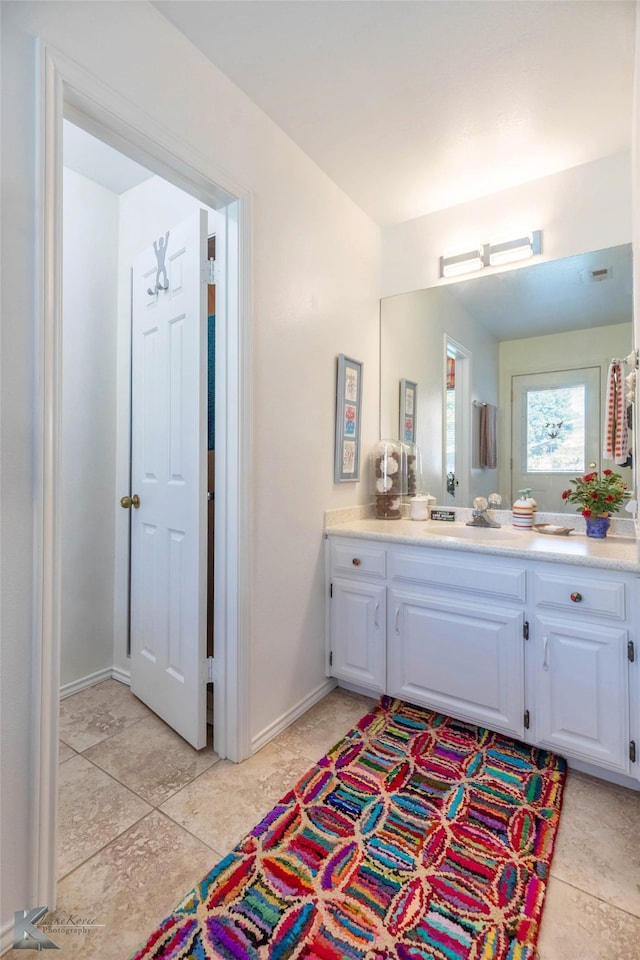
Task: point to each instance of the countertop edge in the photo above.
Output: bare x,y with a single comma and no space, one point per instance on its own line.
540,547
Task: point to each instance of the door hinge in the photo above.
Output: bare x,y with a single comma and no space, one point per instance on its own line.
211,670
211,272
526,719
525,630
331,658
632,751
631,651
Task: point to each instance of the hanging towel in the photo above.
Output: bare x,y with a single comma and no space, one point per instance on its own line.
616,437
488,456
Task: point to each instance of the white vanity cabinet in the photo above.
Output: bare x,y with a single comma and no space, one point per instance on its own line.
582,650
457,657
358,629
545,652
455,633
358,615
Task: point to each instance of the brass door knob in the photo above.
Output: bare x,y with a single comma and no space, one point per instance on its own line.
128,502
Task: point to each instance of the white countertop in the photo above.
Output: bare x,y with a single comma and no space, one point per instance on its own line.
614,552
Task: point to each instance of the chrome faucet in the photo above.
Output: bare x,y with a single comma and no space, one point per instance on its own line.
482,519
480,514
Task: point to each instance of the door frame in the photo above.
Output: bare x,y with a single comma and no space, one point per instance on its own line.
67,90
463,357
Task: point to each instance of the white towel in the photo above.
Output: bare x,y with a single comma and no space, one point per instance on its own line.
616,437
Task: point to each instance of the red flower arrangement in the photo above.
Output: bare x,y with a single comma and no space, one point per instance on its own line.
596,494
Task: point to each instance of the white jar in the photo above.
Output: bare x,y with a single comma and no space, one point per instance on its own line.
420,506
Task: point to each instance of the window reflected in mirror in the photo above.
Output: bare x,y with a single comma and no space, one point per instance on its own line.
556,434
555,430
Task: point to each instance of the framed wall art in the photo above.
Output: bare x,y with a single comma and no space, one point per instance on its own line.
408,411
348,417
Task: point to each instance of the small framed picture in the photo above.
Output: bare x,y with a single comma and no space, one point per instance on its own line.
348,417
408,410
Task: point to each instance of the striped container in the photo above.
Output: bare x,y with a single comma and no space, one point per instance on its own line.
523,510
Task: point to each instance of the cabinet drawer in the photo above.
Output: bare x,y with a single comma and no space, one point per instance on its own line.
484,576
356,559
580,594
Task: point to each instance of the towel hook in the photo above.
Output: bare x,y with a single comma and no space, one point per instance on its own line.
160,250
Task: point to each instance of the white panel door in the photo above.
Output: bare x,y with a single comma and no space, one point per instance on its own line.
358,633
168,474
581,683
463,659
556,431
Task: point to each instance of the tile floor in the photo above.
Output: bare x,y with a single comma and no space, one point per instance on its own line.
143,816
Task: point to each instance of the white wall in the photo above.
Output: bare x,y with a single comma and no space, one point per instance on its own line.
635,207
90,248
412,345
316,263
580,209
146,212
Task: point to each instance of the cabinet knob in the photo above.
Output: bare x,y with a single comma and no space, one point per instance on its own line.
576,597
356,561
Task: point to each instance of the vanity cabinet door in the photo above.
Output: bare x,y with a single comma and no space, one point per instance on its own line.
457,656
358,628
581,705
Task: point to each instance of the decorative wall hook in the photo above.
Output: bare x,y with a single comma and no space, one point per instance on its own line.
160,250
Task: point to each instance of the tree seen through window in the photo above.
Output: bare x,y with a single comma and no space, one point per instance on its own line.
556,430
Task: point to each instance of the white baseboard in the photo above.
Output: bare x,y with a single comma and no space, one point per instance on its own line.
109,673
609,775
124,676
286,719
68,689
6,936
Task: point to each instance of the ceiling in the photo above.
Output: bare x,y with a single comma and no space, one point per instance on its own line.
99,162
411,106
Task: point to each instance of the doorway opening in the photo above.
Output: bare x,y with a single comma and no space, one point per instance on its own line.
128,395
68,92
456,430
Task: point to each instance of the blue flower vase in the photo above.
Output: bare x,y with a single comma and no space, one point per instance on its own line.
597,526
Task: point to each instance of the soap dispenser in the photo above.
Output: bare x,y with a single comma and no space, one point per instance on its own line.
524,509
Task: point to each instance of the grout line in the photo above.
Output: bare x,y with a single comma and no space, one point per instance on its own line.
156,806
124,785
195,836
104,846
110,736
594,896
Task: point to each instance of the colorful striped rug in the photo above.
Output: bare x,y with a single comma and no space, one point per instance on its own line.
417,837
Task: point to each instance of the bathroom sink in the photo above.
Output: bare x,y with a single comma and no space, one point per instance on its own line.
476,534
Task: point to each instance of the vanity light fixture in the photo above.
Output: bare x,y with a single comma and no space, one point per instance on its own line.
520,248
461,263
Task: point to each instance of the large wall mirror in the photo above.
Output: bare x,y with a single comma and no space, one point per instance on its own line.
534,346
